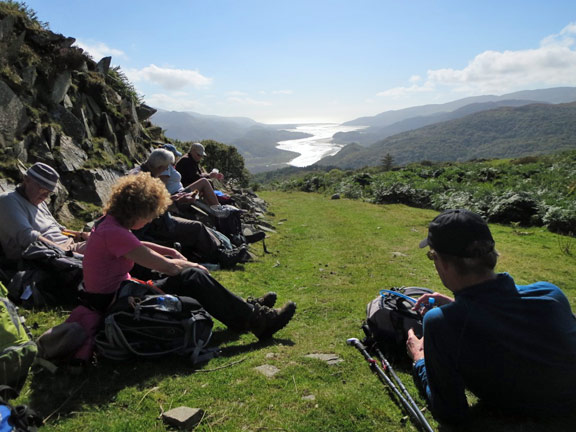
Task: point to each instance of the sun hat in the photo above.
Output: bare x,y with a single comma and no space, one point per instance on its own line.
44,175
455,232
198,149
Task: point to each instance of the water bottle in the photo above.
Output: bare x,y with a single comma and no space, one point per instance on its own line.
168,303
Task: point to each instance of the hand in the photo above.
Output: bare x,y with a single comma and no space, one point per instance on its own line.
216,175
439,300
414,346
190,264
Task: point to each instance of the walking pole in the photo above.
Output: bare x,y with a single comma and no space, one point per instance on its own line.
387,366
412,410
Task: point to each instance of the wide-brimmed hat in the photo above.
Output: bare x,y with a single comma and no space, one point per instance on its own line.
44,175
455,232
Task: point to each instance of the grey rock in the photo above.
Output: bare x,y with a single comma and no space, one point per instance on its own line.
267,370
328,358
60,87
335,196
183,417
103,65
13,117
71,125
144,112
70,157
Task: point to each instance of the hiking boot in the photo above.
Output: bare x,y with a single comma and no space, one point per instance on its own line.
219,211
228,258
268,299
266,321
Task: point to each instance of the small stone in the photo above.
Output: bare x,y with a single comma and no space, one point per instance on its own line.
309,397
328,358
267,370
183,417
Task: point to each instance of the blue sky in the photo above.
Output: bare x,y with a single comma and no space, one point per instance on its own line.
321,60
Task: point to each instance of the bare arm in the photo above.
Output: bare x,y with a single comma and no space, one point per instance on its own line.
164,250
151,259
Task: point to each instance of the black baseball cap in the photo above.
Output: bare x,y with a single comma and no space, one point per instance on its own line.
455,232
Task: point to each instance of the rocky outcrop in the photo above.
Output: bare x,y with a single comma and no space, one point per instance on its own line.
59,106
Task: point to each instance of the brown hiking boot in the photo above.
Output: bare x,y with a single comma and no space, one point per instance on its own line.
266,321
268,299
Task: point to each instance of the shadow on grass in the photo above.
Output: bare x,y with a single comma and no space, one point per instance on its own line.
63,393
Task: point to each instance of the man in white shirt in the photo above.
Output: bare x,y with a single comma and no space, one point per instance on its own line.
25,217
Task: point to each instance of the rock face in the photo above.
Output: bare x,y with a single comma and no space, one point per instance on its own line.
60,107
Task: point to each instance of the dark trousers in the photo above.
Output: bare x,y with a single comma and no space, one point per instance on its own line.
194,236
221,303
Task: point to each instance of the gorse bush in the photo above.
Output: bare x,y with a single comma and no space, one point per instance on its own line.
530,191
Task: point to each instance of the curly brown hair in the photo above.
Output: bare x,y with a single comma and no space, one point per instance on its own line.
136,197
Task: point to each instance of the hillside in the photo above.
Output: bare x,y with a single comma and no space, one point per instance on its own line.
256,142
499,133
393,122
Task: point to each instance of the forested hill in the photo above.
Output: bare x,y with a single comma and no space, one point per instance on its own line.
500,133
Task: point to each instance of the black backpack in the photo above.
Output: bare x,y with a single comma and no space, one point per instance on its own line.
20,418
231,225
140,324
47,276
388,319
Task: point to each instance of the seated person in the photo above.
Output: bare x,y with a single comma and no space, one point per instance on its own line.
194,236
112,251
25,217
513,346
160,164
189,166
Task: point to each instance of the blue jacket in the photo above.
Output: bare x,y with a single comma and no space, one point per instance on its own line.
513,346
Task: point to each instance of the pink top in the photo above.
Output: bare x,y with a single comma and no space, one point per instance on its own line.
105,266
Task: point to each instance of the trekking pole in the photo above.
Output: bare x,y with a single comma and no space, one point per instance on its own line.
410,408
387,366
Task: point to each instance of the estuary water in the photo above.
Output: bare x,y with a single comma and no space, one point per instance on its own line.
319,145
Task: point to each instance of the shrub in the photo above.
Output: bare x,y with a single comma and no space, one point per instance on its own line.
559,220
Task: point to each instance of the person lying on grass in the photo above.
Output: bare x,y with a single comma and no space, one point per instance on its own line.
513,346
112,250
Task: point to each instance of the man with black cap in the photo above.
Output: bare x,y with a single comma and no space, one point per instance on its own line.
513,346
25,217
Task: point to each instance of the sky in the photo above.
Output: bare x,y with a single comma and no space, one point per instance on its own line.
305,61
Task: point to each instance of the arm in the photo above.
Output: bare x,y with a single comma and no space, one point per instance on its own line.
435,370
151,259
164,250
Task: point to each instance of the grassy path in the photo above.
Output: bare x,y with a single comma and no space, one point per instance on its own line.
331,257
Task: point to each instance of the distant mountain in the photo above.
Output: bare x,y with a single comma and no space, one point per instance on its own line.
255,141
497,133
392,122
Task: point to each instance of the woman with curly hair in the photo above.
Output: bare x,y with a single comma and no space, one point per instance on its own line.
112,251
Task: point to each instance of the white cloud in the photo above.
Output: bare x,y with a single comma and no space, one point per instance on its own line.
168,78
553,63
98,50
177,101
247,101
283,92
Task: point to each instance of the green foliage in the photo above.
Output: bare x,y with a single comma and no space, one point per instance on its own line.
226,159
532,191
20,9
122,85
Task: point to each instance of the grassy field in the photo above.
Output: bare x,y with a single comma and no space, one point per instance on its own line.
331,257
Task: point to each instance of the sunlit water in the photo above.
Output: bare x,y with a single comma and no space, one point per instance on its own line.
319,145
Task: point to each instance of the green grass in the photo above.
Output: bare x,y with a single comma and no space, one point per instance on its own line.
331,257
